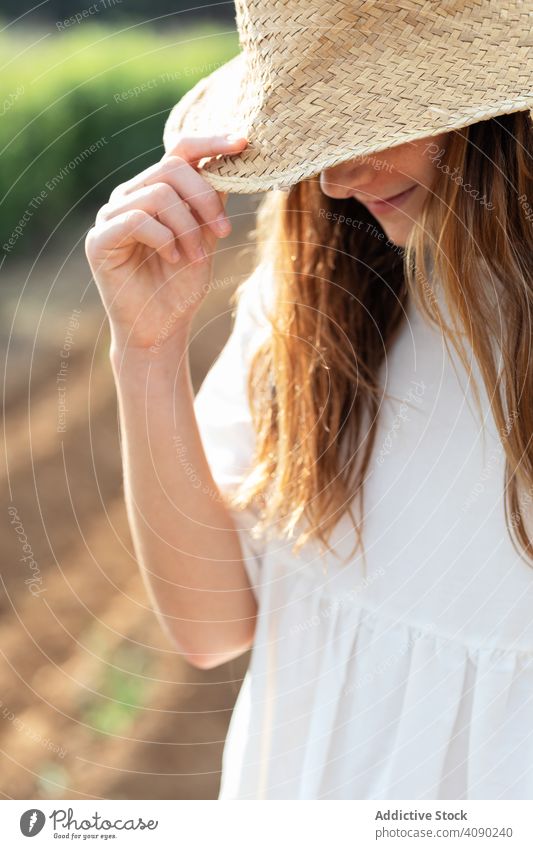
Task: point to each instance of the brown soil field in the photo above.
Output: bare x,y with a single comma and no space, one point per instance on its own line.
94,701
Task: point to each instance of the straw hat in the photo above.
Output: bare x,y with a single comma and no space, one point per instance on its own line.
318,82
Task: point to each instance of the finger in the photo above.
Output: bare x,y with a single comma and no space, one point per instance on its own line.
162,201
194,148
130,227
201,197
204,147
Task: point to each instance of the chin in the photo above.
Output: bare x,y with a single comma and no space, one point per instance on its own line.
398,237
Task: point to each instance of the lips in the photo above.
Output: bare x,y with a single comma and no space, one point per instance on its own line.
390,203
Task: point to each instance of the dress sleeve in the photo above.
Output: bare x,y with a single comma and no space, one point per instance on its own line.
223,413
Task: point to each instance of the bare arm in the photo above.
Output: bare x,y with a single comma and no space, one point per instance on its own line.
188,549
144,253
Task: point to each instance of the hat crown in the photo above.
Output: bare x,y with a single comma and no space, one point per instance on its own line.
286,37
270,19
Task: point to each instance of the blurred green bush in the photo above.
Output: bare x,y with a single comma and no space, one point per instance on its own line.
83,110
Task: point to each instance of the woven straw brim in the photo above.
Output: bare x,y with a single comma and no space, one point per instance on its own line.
349,98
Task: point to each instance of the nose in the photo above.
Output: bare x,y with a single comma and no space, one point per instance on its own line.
340,181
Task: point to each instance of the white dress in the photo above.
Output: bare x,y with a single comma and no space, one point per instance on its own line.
414,680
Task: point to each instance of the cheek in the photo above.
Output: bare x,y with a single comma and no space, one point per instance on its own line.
419,170
418,161
432,154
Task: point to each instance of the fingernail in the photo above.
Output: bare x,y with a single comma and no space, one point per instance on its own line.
221,224
233,138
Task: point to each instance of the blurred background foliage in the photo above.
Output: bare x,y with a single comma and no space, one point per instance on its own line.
94,700
63,90
147,11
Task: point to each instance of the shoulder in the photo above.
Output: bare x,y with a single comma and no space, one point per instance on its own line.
253,301
250,305
254,297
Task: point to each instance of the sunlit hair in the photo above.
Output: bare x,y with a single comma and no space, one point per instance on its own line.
340,294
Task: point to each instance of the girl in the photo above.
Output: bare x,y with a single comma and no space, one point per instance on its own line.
350,493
